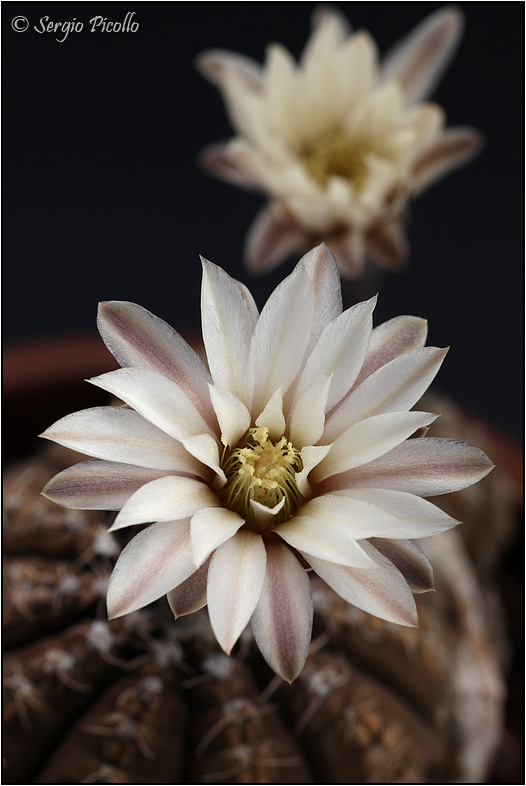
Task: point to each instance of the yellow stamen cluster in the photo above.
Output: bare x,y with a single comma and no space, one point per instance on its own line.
336,154
264,471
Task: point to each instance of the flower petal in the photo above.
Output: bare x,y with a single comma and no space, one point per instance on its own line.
98,485
264,516
282,619
366,440
425,467
390,340
394,387
135,337
222,160
310,455
120,434
308,415
205,449
380,513
272,416
156,398
410,561
227,329
323,272
388,245
382,591
455,147
281,337
325,538
155,561
340,351
335,27
190,595
235,581
271,238
214,63
418,61
166,499
209,528
349,251
232,415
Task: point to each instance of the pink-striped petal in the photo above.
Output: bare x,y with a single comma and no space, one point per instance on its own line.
368,439
426,467
390,340
456,147
382,513
235,581
382,591
394,387
281,337
340,351
190,596
157,399
157,559
166,499
222,160
98,485
227,322
282,619
410,560
324,538
120,434
323,272
215,63
349,251
135,337
418,61
388,245
271,238
209,528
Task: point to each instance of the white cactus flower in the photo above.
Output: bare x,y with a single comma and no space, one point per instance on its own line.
290,450
339,142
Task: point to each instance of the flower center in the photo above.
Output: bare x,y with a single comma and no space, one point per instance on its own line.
264,471
336,154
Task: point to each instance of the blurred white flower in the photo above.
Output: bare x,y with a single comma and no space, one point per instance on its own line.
290,450
339,142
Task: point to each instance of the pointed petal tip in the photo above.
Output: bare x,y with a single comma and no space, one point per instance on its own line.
453,15
410,619
113,613
47,492
206,65
289,678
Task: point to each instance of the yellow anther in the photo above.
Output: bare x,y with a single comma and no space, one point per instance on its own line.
262,471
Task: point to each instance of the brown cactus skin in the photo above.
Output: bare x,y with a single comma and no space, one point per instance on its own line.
144,699
134,730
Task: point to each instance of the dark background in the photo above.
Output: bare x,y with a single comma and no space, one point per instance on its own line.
103,199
